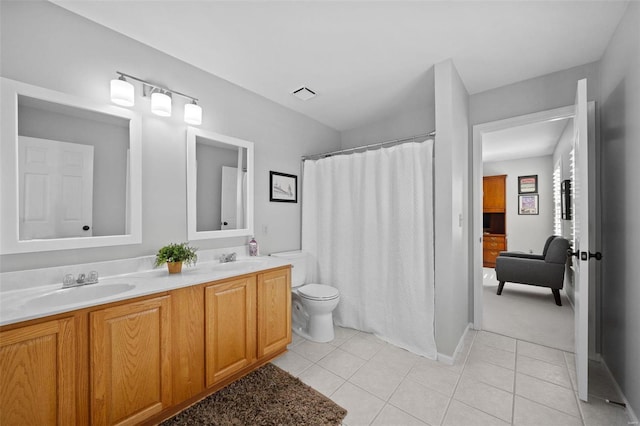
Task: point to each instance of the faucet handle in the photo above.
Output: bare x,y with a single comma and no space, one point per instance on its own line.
232,257
81,278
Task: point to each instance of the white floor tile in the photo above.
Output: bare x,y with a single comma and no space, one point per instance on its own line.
600,383
295,340
376,379
460,414
548,394
425,404
491,374
397,359
292,363
485,398
434,375
362,347
342,363
492,355
342,334
496,341
313,351
543,370
321,380
391,415
540,352
529,413
597,412
361,406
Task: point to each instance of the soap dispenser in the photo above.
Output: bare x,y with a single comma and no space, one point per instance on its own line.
253,247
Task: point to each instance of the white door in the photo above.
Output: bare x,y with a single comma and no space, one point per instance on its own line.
232,202
56,189
583,238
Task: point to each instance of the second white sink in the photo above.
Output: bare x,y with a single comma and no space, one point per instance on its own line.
73,295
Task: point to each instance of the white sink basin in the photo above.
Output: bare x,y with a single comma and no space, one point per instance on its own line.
73,295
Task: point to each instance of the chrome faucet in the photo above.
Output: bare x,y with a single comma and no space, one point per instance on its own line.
70,281
224,258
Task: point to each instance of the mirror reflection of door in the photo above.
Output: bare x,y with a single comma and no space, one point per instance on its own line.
55,189
232,201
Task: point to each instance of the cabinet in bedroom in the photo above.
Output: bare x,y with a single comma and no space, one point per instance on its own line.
492,245
130,371
230,327
493,194
38,374
274,311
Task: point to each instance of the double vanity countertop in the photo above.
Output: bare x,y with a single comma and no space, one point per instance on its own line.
41,301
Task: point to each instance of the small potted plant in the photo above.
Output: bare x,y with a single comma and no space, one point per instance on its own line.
174,255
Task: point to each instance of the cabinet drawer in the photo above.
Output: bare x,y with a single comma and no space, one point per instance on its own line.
493,238
493,245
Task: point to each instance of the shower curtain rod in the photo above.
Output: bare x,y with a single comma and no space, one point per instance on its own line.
365,147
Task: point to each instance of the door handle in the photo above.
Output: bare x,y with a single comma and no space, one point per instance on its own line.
571,253
597,255
86,228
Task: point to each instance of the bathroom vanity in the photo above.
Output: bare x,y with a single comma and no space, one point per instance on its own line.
142,359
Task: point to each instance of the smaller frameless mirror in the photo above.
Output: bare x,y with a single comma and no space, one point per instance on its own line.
219,185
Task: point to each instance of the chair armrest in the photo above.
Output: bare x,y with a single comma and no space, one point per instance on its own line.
521,255
529,271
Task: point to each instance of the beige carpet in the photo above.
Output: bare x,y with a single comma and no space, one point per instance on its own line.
267,396
527,313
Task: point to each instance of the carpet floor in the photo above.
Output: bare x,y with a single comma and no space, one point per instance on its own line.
267,396
527,313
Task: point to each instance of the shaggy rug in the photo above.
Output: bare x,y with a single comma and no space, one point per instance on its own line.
267,396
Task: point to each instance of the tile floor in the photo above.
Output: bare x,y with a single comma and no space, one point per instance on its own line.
496,380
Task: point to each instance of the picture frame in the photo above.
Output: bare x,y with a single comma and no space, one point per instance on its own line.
528,204
283,187
565,200
528,184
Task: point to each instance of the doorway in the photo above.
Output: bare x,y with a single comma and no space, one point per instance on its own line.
524,233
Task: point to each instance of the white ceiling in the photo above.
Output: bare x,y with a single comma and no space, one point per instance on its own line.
364,59
531,140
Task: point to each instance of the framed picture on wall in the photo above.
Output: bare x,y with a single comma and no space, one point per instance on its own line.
528,184
528,204
283,187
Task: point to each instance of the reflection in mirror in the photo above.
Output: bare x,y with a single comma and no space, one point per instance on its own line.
219,185
74,167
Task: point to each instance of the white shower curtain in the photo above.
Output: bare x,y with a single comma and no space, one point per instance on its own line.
367,222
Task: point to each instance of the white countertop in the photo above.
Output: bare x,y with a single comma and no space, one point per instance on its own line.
30,303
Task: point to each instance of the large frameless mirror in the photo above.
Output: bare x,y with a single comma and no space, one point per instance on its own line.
219,185
71,172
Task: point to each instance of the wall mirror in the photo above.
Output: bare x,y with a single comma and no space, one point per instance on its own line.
71,172
219,185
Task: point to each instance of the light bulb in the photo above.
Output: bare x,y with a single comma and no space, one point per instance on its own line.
161,104
122,92
193,114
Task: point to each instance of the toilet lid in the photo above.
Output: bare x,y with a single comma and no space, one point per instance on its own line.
318,292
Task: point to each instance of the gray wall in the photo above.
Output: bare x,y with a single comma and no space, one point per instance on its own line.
45,45
620,135
414,116
451,201
526,233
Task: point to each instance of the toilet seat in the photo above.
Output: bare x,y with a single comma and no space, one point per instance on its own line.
318,292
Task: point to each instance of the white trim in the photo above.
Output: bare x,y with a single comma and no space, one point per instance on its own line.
633,419
450,360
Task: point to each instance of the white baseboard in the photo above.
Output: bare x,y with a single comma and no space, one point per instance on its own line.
450,360
633,419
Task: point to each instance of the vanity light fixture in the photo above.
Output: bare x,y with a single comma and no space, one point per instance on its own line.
122,93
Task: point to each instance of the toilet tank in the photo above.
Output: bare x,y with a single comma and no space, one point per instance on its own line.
298,260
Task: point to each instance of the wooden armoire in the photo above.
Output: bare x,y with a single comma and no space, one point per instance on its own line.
494,210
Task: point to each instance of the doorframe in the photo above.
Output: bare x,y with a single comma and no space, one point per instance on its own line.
479,130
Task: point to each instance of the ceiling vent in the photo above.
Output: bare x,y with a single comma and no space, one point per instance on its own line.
304,93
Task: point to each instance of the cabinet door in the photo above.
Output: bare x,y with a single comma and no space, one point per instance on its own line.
493,199
274,311
230,328
130,361
38,374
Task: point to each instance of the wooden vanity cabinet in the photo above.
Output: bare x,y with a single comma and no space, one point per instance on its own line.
230,328
130,364
274,312
141,361
38,374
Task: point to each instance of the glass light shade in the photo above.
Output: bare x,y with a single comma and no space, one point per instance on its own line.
193,114
161,104
122,92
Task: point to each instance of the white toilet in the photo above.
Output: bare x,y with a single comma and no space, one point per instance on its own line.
312,305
